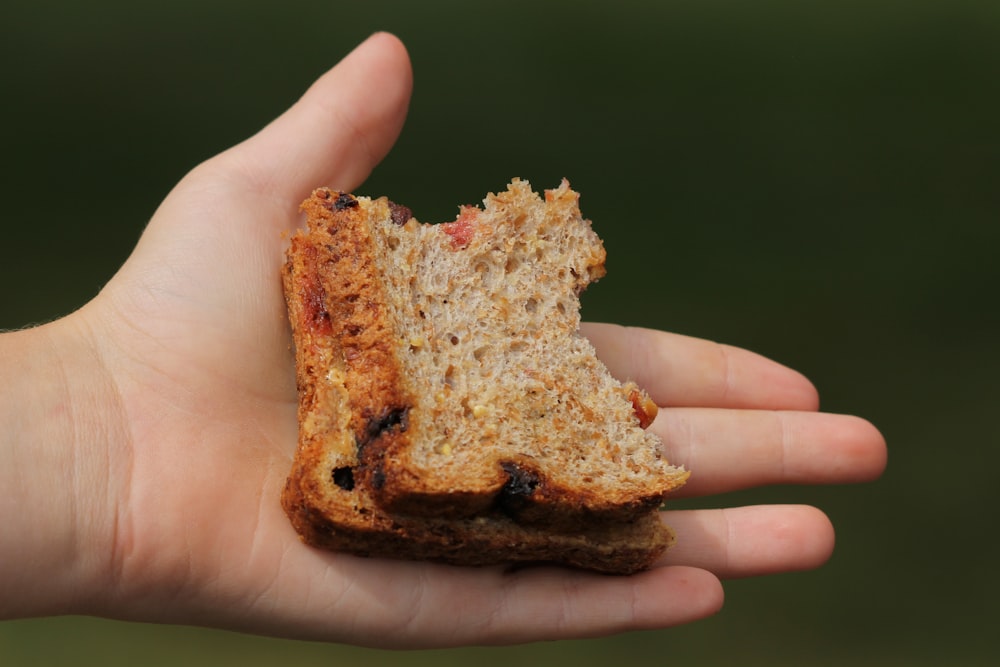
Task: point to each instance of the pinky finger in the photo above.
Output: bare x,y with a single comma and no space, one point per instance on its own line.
549,603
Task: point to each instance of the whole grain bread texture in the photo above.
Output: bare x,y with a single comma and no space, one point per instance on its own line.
449,409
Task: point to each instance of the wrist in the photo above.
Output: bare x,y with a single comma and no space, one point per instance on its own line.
57,431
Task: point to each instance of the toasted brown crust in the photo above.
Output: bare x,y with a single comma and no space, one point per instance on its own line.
333,265
351,522
359,411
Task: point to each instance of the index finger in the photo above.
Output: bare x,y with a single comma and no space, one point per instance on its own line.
682,371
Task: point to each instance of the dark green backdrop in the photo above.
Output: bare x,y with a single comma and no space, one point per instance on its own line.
817,181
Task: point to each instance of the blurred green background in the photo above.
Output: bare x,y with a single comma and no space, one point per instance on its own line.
816,181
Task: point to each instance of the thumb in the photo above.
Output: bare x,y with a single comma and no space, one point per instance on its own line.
220,225
223,217
338,131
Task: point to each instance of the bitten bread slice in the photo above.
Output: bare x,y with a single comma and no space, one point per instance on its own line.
451,354
362,392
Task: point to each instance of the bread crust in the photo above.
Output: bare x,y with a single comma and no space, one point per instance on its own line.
350,521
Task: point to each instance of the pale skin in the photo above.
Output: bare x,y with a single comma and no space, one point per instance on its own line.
145,438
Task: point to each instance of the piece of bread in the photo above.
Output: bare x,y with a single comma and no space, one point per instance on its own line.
329,513
448,404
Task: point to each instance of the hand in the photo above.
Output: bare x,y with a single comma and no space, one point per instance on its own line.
191,428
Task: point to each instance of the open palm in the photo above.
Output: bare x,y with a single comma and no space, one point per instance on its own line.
193,336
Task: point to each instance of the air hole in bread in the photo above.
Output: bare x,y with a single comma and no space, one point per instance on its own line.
512,264
344,478
484,271
480,352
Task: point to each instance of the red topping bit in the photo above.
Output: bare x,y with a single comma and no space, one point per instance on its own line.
461,231
644,407
315,316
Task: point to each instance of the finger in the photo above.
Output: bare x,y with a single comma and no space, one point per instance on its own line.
221,225
682,371
727,450
750,541
545,603
455,606
339,130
